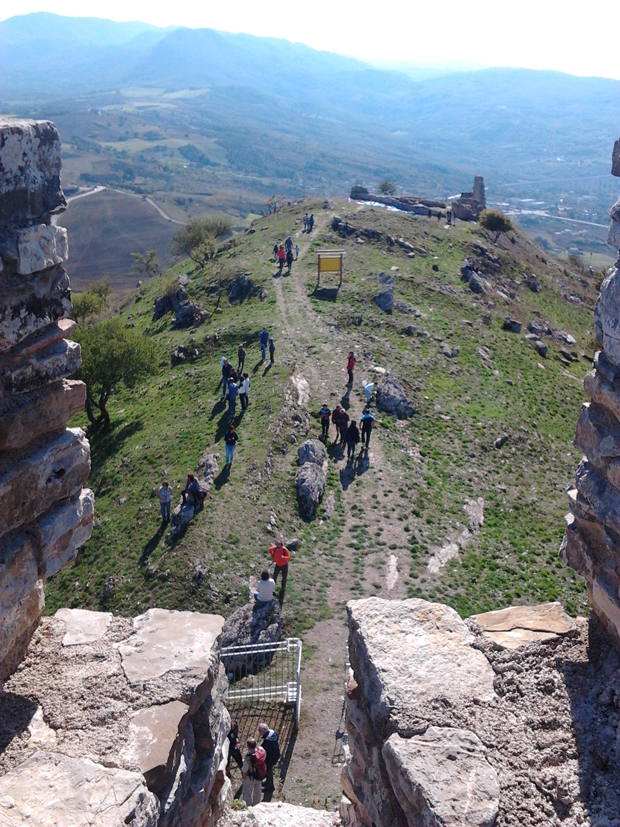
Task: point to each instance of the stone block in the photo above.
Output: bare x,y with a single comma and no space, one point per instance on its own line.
602,497
513,627
606,603
610,310
30,305
31,249
83,626
30,162
443,778
597,434
27,373
62,530
50,335
54,789
24,417
17,627
280,814
18,570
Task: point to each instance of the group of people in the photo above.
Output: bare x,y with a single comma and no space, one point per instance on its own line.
308,222
265,589
284,253
258,763
347,431
192,495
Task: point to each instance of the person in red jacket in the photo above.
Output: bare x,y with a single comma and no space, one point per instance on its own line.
281,556
281,257
350,366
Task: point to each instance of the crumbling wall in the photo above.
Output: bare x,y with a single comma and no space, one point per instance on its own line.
591,543
45,513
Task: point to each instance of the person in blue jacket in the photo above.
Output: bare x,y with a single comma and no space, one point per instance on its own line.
264,341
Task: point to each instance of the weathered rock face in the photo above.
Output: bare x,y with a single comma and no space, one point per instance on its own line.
311,477
449,724
280,815
145,745
45,514
392,399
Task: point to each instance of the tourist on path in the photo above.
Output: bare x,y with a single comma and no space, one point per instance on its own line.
254,770
265,588
350,366
366,423
289,259
233,390
305,222
234,747
296,252
272,751
272,350
340,418
226,371
310,223
281,257
325,414
231,440
165,496
244,391
352,439
275,252
288,244
281,557
264,341
368,386
241,354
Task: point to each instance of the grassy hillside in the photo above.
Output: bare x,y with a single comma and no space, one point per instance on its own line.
407,501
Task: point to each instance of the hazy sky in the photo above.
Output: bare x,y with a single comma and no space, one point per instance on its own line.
539,34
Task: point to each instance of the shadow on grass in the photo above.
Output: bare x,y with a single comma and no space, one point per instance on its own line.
257,366
326,294
268,368
346,398
152,544
219,406
222,478
105,444
336,451
354,469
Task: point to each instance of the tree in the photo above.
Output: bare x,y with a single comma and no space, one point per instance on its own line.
87,304
387,187
496,222
197,239
146,263
112,355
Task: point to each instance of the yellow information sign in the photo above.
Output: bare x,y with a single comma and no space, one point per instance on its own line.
330,261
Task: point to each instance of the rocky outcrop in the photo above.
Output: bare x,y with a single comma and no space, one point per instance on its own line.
254,623
311,477
449,723
392,399
145,745
46,515
591,544
280,815
385,298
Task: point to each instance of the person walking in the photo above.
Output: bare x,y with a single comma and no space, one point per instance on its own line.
289,260
306,222
233,390
325,414
165,497
272,350
368,386
341,419
350,366
366,423
234,747
271,746
311,223
281,257
241,354
231,440
253,770
275,252
281,557
296,252
226,371
288,244
264,341
352,439
244,391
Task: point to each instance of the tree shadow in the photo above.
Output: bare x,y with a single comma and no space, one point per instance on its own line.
105,444
152,544
222,478
326,294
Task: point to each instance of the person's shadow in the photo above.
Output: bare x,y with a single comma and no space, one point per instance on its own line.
346,399
152,544
218,407
257,366
268,368
222,478
363,462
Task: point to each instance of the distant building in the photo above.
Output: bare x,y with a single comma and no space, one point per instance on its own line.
470,204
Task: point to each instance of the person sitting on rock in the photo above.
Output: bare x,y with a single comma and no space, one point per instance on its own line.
265,588
191,493
281,557
324,415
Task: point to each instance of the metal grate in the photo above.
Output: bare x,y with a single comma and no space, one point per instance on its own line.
265,672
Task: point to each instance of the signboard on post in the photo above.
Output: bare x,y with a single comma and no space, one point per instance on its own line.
330,261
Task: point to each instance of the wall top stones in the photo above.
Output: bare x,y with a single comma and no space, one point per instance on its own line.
30,161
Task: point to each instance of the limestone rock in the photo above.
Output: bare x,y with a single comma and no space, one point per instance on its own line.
517,625
253,623
57,362
392,399
610,316
55,789
613,236
385,298
34,248
443,778
18,625
312,450
401,650
55,472
39,412
31,305
310,481
511,325
83,626
241,288
279,814
62,530
29,172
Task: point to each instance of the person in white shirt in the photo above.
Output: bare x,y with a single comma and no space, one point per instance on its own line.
265,588
244,390
165,496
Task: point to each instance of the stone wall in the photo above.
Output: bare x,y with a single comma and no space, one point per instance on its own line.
591,543
45,513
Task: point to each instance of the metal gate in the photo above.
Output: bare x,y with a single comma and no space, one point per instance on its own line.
265,672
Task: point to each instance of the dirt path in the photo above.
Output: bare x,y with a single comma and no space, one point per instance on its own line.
314,772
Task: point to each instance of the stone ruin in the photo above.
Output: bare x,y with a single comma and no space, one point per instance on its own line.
469,205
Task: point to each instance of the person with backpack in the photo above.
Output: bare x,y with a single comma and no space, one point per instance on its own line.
324,415
271,746
366,423
311,223
288,244
352,439
264,341
340,418
281,557
350,366
254,771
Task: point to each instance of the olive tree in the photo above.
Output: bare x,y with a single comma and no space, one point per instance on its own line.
496,222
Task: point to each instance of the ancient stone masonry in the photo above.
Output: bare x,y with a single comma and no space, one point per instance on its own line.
591,543
45,513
